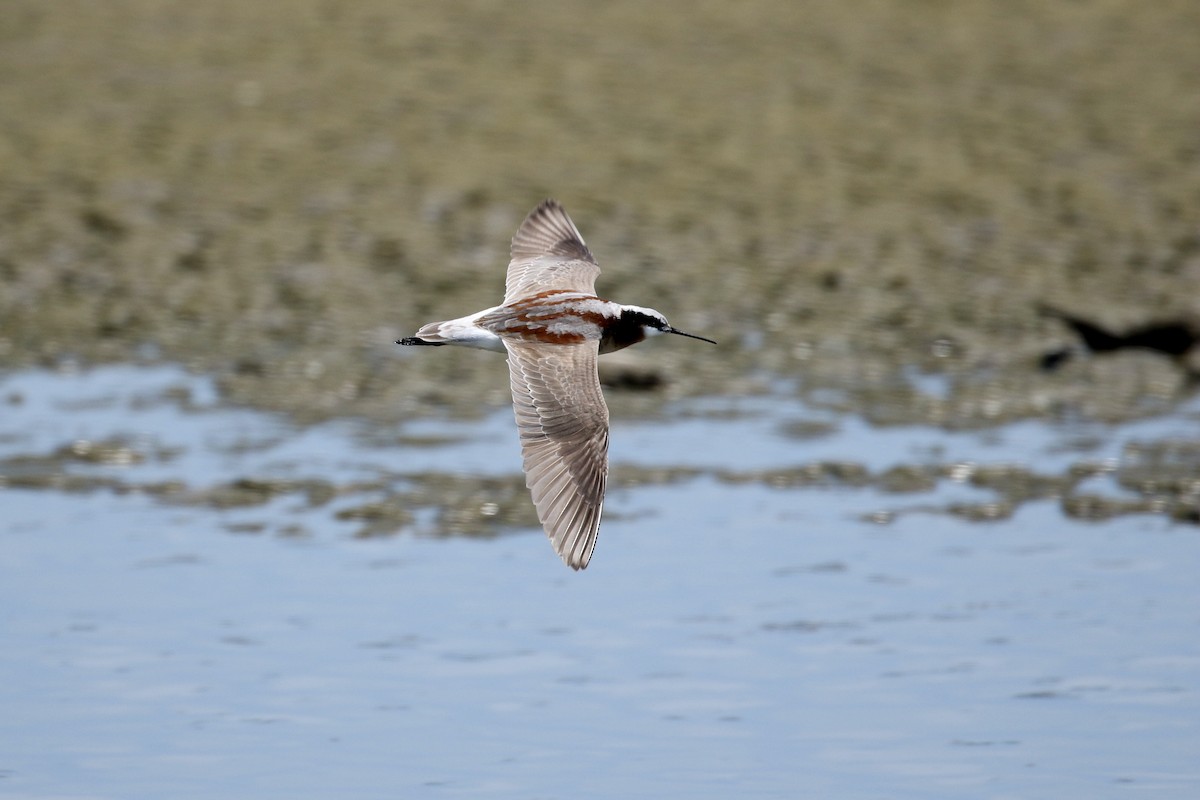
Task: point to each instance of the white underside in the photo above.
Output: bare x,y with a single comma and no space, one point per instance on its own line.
466,333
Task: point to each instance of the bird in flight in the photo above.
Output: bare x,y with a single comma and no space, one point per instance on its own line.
553,326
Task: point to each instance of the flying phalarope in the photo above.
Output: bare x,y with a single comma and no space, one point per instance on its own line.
552,325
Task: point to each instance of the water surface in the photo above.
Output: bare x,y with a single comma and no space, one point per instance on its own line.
729,639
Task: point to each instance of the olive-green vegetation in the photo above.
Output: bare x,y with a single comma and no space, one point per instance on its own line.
845,194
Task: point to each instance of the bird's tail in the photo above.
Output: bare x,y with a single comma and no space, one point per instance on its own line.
434,332
429,335
461,331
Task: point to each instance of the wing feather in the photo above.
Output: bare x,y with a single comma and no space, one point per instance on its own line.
563,425
549,253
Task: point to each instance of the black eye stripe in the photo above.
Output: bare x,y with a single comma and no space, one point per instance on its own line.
641,318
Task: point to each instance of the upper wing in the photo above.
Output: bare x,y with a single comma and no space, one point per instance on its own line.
548,253
563,423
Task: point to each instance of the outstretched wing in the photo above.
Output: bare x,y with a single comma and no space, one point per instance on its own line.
563,423
548,253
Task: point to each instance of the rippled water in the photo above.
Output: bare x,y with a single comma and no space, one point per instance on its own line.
730,638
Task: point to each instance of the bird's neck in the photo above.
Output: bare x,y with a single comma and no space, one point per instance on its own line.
623,331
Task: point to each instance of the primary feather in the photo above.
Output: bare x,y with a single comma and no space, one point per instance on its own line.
548,253
563,425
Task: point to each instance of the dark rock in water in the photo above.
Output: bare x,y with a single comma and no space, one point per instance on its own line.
618,371
1054,359
1171,337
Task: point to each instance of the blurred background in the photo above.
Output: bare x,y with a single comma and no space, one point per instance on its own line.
274,191
950,250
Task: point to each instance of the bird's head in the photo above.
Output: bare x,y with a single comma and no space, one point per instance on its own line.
654,323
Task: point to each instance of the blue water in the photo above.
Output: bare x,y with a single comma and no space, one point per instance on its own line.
728,640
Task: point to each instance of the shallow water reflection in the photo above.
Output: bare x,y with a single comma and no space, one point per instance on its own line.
731,638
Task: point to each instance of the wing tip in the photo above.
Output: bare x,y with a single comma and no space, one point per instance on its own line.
579,561
576,550
549,230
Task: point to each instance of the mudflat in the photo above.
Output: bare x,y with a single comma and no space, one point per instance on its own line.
848,196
